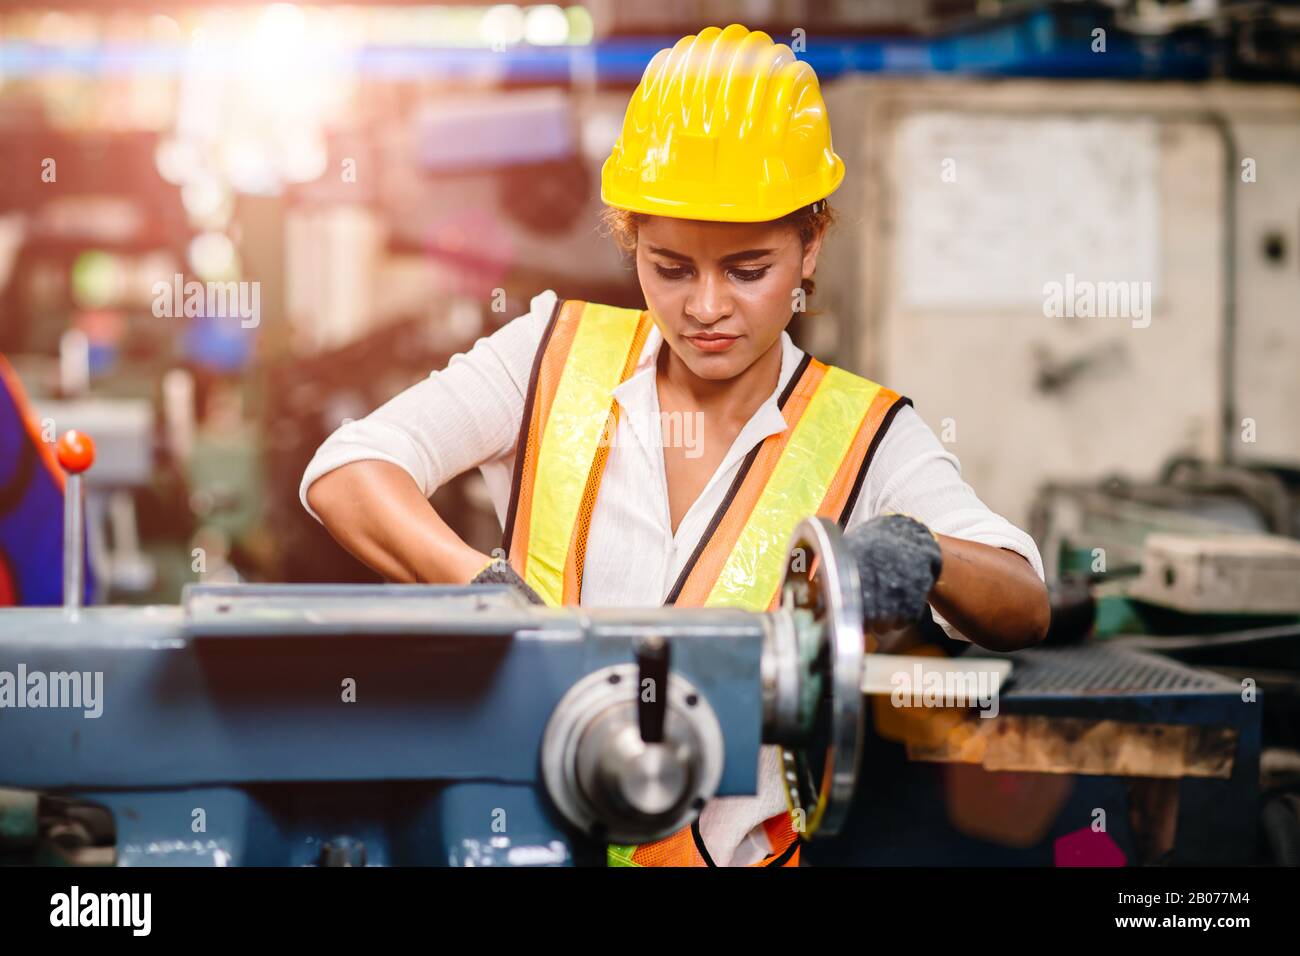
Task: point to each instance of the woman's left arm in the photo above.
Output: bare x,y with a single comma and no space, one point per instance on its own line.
989,589
991,595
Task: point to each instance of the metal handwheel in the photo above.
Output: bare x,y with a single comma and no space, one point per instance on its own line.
822,582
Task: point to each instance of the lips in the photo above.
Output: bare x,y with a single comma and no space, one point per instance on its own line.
712,341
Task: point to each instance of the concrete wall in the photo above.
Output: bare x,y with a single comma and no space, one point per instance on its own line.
965,198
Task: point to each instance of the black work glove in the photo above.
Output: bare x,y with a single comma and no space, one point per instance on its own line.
898,561
500,572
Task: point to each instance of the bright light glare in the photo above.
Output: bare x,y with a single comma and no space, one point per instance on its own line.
206,200
213,256
248,166
582,28
503,25
96,279
304,158
280,29
178,160
546,25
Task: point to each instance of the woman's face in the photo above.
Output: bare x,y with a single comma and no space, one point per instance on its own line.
721,292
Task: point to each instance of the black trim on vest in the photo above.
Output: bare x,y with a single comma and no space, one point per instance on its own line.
785,854
699,843
521,446
733,490
769,860
866,459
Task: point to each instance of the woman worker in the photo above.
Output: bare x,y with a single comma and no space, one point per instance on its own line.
665,455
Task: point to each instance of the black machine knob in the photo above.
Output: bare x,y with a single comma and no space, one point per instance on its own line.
652,660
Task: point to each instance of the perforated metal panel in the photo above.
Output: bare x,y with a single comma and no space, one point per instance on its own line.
1097,669
1105,682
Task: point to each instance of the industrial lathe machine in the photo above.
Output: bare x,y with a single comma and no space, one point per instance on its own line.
415,724
461,726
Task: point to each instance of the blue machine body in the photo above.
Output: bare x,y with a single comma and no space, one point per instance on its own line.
233,712
403,725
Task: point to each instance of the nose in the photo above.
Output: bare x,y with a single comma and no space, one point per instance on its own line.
709,300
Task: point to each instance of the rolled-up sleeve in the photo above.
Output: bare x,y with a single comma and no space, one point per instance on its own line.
458,418
913,474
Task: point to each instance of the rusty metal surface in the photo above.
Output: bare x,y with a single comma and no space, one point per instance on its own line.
1038,744
1095,709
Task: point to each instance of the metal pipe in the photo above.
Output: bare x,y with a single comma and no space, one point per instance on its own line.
73,545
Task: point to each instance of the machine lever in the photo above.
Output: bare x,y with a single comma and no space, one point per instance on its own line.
76,453
652,659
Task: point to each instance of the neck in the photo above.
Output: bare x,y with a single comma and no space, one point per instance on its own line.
734,398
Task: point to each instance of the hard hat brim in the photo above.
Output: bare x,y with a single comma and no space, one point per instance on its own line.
706,205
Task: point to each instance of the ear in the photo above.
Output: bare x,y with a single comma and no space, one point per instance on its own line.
810,254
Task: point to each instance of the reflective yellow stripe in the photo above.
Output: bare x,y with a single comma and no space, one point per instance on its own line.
795,490
821,439
620,855
571,437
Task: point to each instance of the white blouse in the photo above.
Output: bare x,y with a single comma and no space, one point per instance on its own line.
468,415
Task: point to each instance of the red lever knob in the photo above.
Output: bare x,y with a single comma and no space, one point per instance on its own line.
76,451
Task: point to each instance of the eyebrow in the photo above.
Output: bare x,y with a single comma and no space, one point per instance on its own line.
732,257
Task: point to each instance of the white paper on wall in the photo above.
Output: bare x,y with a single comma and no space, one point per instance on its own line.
991,208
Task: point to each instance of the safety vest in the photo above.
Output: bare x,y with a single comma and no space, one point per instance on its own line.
815,466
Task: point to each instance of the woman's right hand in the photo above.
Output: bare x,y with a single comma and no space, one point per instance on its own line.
499,571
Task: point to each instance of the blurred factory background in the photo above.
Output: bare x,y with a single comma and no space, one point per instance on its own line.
396,180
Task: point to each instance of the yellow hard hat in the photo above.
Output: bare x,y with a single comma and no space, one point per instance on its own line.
727,125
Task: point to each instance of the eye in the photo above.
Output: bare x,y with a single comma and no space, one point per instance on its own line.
676,273
750,275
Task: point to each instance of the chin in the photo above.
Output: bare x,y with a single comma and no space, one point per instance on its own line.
714,368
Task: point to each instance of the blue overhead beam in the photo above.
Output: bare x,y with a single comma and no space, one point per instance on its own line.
1044,43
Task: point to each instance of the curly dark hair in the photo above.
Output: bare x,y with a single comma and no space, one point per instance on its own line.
808,220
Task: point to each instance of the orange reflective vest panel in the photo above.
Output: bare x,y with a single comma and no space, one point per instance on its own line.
817,465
